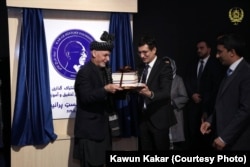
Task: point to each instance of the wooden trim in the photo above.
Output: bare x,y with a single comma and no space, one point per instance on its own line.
129,6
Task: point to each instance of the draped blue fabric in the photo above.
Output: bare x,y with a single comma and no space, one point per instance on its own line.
32,120
122,55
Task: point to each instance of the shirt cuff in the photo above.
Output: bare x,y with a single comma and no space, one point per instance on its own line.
222,140
152,95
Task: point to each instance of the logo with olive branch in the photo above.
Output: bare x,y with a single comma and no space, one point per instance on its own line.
236,15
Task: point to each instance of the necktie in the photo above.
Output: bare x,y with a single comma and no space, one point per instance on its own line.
200,70
144,74
229,72
143,80
199,74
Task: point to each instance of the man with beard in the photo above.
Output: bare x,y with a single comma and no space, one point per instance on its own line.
202,80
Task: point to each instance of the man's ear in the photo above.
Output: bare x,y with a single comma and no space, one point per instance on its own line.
93,52
154,50
232,51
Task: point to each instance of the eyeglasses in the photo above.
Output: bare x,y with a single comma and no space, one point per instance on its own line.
144,52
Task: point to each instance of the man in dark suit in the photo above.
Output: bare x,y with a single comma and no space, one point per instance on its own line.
232,108
202,80
93,91
156,114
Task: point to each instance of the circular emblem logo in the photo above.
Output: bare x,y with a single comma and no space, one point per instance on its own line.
70,51
236,15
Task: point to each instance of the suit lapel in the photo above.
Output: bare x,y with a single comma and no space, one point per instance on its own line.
153,71
207,65
227,80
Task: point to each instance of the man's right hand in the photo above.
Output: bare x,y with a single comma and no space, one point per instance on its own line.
205,128
196,97
112,88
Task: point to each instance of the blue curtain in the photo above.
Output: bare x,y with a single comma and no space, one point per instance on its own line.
32,121
122,55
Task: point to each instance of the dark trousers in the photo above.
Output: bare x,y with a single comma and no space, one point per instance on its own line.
195,139
92,153
151,138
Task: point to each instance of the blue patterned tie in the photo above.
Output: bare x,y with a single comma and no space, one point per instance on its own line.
229,72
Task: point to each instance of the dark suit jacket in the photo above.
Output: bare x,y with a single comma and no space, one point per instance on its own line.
232,109
210,80
91,103
159,109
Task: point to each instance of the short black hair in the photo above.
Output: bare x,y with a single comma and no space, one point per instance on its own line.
233,41
206,41
148,40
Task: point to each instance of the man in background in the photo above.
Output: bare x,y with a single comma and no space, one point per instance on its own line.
202,80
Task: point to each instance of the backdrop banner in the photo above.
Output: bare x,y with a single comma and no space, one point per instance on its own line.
68,49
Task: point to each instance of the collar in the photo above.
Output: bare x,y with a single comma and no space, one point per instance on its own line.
151,64
235,64
205,59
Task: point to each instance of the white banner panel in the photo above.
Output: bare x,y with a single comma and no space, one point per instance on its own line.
68,48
